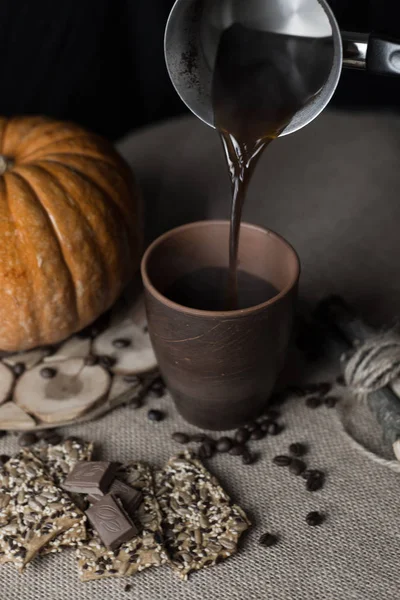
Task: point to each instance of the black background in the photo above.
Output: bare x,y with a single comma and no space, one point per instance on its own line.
101,63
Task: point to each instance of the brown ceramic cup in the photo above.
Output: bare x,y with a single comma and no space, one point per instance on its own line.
220,366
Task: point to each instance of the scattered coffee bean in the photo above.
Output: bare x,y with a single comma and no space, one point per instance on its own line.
206,450
180,438
264,426
314,480
136,403
315,473
272,414
257,434
48,372
198,438
155,415
268,540
107,361
18,369
27,439
242,435
331,401
315,518
128,587
275,428
282,460
297,466
91,361
238,450
313,402
324,388
121,343
158,388
248,458
224,444
251,427
297,449
341,380
4,458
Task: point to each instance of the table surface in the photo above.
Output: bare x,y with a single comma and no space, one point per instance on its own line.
332,190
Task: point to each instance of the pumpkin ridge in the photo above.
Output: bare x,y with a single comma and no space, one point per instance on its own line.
17,246
53,228
83,215
95,184
31,155
126,216
3,139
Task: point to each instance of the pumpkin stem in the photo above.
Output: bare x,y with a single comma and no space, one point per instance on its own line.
6,163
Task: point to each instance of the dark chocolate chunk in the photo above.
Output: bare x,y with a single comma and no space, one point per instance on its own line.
224,444
155,415
107,361
313,402
242,435
121,343
315,518
88,477
18,369
180,437
91,360
257,434
238,450
268,540
331,401
27,439
111,522
297,466
48,372
130,498
282,460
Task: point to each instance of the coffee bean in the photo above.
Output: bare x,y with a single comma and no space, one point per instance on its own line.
275,428
282,460
131,379
27,439
251,427
4,458
48,372
297,449
315,518
268,540
313,473
180,438
136,403
224,444
206,450
257,434
18,369
107,361
198,438
128,587
341,380
121,343
272,413
242,435
158,386
297,466
237,450
248,458
331,401
314,483
265,426
313,402
91,361
155,415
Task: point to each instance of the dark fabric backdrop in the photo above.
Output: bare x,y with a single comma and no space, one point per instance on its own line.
101,63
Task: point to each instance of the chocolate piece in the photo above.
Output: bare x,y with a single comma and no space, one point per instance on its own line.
111,523
130,498
88,477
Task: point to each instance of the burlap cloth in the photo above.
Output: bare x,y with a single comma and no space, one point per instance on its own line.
335,196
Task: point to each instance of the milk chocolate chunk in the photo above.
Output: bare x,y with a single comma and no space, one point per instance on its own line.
130,498
90,477
111,523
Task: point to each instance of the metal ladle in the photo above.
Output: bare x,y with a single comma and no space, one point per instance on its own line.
194,29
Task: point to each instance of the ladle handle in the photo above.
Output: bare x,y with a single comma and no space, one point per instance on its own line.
372,52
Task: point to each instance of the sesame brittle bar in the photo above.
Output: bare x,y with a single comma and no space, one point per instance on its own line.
95,561
201,525
33,510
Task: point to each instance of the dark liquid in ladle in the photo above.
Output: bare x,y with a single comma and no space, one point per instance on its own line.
261,80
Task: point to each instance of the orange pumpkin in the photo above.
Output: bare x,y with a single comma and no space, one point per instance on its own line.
69,230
